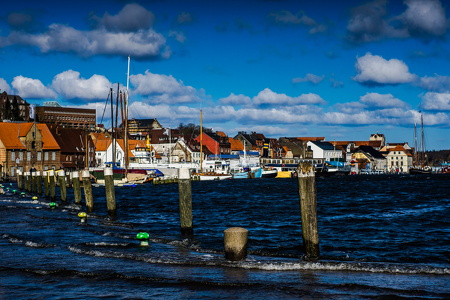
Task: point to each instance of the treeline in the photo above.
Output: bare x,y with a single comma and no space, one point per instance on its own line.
436,158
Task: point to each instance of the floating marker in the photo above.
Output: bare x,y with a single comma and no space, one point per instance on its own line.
23,194
34,197
143,237
52,205
14,191
83,217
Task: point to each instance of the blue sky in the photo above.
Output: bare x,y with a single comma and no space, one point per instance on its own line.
338,69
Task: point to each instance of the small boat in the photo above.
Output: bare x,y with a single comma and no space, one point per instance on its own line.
269,173
212,176
331,168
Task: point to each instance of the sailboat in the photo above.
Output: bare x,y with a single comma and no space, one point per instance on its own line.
419,159
121,173
212,174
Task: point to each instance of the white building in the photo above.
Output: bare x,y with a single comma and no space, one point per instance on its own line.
324,150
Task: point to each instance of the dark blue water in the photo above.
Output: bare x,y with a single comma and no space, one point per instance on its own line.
380,237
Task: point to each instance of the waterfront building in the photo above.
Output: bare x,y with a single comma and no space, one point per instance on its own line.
27,146
367,158
66,117
398,159
14,108
324,150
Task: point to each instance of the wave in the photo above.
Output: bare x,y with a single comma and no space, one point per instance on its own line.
254,262
32,244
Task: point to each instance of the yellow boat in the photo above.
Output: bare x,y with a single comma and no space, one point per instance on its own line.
284,174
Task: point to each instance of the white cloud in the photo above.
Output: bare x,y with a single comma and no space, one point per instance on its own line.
309,78
374,69
32,88
268,97
425,17
127,33
70,85
4,86
233,99
437,83
382,100
436,101
163,88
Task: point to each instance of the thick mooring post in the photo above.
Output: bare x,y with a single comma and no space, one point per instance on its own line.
87,186
62,185
308,209
46,184
235,242
27,182
110,193
76,187
19,180
185,198
51,175
39,183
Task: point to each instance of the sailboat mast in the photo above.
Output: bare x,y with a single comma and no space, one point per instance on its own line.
201,140
125,120
422,141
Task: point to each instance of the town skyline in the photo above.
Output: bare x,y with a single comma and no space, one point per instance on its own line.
339,70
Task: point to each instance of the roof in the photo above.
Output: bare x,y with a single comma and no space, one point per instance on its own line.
323,145
236,145
10,134
374,153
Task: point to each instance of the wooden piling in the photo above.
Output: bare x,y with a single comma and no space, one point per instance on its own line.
52,185
46,184
19,180
185,198
76,187
38,183
110,192
235,242
308,209
27,182
87,186
62,185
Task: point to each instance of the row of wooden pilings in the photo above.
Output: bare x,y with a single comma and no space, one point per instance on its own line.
235,238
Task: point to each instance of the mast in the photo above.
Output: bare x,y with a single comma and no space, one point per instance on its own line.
422,141
416,150
125,120
201,140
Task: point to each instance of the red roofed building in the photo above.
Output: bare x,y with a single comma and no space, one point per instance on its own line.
27,145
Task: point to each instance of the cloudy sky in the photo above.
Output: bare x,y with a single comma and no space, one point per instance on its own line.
338,69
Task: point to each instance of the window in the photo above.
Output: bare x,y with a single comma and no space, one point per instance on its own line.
45,155
28,155
13,156
39,156
21,155
53,155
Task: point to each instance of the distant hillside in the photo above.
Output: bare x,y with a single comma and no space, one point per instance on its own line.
435,158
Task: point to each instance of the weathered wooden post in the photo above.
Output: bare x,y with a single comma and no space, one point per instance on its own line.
46,184
51,175
19,179
62,185
76,187
32,181
308,209
185,198
87,186
39,183
110,193
27,182
235,241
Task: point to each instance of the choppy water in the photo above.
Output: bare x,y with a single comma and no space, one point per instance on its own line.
380,237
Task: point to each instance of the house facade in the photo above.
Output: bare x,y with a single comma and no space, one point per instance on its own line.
324,150
399,159
26,146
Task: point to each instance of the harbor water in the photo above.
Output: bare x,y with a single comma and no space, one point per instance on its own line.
381,236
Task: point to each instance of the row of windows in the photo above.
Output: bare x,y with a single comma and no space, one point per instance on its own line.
19,156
